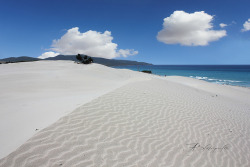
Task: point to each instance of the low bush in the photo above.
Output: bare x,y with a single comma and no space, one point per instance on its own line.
147,71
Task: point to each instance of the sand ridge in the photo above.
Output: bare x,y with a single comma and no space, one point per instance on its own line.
145,123
36,94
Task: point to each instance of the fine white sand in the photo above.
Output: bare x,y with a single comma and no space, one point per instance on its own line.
36,94
143,120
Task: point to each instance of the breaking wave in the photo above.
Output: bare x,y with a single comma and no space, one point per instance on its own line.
214,80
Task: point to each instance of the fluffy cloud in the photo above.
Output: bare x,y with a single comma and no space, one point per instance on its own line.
222,25
190,29
127,52
48,54
246,26
91,43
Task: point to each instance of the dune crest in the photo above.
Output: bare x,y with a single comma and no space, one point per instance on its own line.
36,94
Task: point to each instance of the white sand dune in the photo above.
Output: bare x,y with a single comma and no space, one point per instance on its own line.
147,121
36,94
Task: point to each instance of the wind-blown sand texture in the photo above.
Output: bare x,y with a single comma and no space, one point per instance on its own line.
172,121
36,94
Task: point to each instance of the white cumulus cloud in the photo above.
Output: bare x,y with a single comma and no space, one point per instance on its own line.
246,26
190,29
127,52
48,54
222,25
92,43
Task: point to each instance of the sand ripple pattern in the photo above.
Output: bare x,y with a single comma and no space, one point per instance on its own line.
145,124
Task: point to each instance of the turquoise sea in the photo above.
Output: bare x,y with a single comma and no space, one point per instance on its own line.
236,75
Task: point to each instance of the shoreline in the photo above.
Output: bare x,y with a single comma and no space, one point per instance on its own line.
247,87
244,87
207,76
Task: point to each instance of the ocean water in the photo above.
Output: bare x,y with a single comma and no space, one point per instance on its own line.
236,75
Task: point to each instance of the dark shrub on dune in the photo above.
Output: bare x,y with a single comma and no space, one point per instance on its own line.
147,71
79,57
90,60
85,60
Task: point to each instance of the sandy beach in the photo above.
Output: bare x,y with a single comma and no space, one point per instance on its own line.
59,113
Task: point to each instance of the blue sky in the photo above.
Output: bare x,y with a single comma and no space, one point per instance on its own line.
27,28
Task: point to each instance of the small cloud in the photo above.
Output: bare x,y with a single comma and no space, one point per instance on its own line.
92,43
190,29
48,54
234,22
222,25
127,52
246,26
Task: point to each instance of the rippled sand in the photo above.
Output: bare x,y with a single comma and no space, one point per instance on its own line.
172,121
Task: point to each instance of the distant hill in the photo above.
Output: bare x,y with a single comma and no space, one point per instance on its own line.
19,59
103,61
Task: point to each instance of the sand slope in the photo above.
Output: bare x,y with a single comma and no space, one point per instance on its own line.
150,123
36,94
